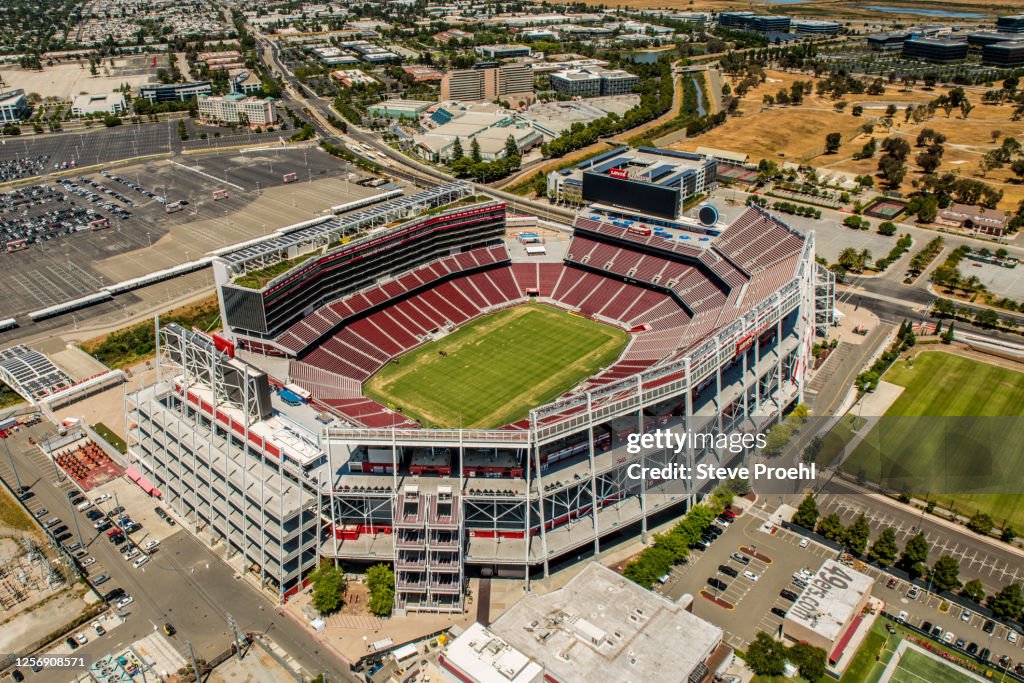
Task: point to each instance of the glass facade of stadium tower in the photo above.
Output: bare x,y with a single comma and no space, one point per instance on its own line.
282,474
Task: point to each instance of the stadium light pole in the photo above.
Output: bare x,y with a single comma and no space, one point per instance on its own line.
10,458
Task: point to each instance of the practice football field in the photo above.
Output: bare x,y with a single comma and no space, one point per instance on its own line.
490,372
915,667
954,433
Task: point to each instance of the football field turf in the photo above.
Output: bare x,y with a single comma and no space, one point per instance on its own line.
916,667
495,369
952,435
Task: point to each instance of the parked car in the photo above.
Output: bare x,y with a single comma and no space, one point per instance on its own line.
926,627
169,630
98,628
891,583
902,617
804,542
800,583
141,561
151,544
779,612
948,637
742,559
41,512
727,570
966,615
1011,636
718,583
913,592
984,654
131,554
972,649
125,601
81,638
71,642
101,579
751,575
788,594
936,631
989,626
87,561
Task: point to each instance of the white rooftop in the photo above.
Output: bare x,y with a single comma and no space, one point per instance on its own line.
480,655
828,602
603,627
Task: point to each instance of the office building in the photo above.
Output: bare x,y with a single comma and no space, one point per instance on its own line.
591,82
647,180
739,20
504,51
888,42
815,27
1011,24
490,83
108,103
1007,55
13,106
399,109
238,109
936,50
175,92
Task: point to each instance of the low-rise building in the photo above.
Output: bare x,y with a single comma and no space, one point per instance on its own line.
504,51
590,82
888,42
399,109
602,627
351,77
1010,24
423,74
13,106
488,124
1007,55
815,26
237,109
937,50
829,609
175,92
106,103
973,218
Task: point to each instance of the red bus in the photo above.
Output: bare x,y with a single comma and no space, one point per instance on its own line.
290,177
641,230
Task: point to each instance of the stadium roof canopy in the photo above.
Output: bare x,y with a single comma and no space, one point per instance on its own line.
30,373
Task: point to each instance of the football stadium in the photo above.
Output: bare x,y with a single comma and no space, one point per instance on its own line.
408,384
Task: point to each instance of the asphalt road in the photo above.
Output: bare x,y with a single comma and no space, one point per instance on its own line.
185,583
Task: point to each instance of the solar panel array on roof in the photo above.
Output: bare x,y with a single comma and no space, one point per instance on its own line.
659,171
30,373
608,165
281,243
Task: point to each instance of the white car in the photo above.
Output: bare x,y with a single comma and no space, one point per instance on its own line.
966,615
103,498
751,575
141,561
1011,636
131,554
948,637
804,542
151,544
87,561
98,629
125,601
81,638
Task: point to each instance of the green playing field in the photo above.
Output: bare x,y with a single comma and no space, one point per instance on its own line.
492,371
972,450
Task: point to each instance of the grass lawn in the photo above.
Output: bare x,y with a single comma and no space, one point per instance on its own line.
834,443
110,437
497,367
12,516
951,435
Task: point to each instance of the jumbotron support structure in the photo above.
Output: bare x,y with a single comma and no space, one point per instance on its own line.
292,471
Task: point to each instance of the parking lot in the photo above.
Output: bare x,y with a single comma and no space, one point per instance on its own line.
785,553
993,568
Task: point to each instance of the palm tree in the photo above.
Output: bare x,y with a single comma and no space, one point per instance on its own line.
849,258
864,256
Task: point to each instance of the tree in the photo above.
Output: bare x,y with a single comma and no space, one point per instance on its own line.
809,659
945,574
980,523
474,151
766,656
457,152
928,209
887,228
928,161
884,549
832,142
328,589
857,110
1008,602
511,148
893,170
858,534
380,580
1008,535
915,554
807,513
974,590
831,527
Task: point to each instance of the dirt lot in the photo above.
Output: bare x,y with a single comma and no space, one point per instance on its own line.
70,79
820,8
797,133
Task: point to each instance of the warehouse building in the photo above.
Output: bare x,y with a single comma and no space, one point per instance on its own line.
829,609
937,50
592,82
1007,55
